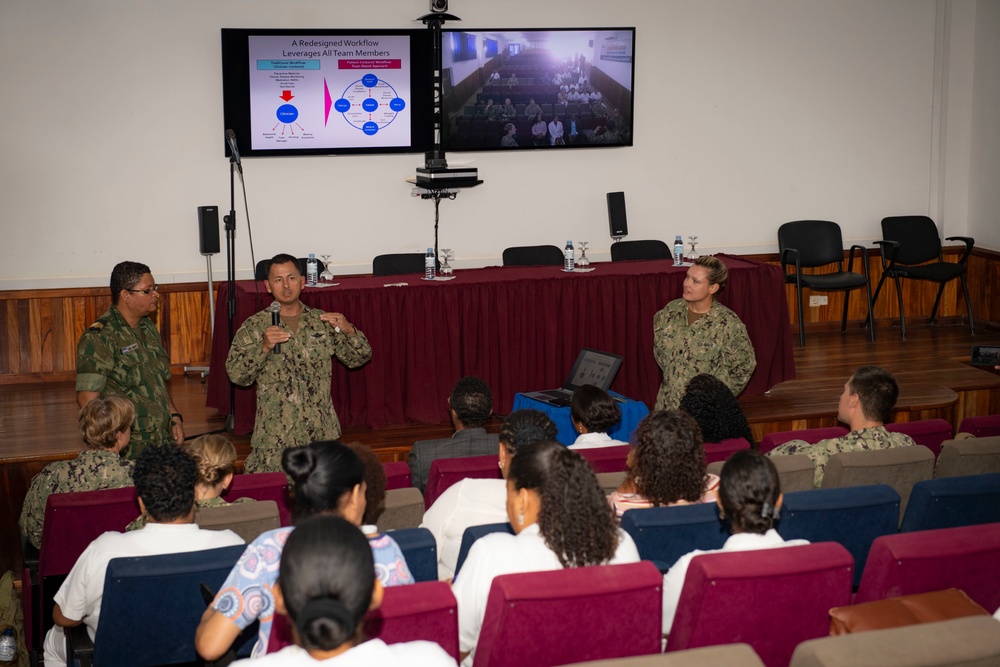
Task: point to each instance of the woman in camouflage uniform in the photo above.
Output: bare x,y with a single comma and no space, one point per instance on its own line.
106,426
696,334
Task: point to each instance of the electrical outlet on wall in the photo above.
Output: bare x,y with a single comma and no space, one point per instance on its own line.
815,301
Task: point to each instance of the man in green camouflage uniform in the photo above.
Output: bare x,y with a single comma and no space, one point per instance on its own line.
105,424
121,354
294,406
865,405
695,334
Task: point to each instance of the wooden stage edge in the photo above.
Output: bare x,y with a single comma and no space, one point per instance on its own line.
38,421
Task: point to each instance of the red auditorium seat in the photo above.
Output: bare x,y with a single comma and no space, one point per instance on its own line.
445,472
772,599
810,435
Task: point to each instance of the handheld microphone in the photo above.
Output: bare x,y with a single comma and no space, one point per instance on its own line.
275,309
231,140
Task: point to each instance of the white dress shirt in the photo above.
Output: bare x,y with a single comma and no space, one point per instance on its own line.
595,440
470,502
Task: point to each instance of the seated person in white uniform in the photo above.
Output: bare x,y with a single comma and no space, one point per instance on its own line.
164,478
750,497
326,584
593,412
475,502
560,519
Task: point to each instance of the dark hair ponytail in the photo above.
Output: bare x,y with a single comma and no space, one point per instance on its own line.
322,472
576,520
326,577
749,492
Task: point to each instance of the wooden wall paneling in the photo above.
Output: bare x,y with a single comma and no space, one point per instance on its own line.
40,328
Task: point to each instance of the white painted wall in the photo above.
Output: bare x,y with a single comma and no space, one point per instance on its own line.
747,114
984,186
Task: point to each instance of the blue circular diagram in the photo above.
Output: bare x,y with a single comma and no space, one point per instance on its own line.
287,113
369,104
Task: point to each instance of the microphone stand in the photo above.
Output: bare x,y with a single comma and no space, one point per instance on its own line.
230,221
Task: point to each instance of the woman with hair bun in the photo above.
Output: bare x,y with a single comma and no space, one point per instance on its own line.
216,459
593,413
666,466
326,585
328,478
560,519
750,498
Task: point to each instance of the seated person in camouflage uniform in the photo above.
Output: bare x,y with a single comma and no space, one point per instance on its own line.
216,460
697,334
868,399
105,424
121,353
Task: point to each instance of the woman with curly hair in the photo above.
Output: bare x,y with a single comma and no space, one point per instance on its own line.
666,466
560,519
593,413
713,406
750,497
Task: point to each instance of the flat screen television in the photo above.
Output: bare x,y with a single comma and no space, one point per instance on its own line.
327,92
551,88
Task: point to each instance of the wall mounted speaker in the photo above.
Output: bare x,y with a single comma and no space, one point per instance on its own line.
208,230
617,220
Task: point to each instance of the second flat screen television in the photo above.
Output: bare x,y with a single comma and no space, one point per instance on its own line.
537,88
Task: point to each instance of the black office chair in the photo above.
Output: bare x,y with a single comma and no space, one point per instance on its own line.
398,263
533,255
260,271
909,240
625,250
813,243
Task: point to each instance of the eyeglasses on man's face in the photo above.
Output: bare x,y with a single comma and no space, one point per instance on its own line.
151,288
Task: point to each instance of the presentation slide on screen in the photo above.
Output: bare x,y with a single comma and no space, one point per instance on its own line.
329,92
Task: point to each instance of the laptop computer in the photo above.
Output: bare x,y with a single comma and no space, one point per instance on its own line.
591,367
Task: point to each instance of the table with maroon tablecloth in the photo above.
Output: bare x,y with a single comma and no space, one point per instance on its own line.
518,328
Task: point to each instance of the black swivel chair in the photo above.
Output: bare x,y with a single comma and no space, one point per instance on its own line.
260,271
533,255
625,250
398,263
814,243
913,239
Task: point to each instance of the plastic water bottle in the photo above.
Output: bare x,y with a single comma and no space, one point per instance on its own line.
678,251
569,257
312,270
8,646
429,265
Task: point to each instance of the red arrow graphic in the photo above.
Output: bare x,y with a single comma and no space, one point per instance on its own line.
286,95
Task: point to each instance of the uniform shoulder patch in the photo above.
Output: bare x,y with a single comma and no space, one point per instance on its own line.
96,326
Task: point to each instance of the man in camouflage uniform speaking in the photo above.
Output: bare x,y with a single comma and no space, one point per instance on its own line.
121,353
868,399
294,406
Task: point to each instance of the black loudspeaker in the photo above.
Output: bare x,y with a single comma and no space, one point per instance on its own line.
208,230
439,6
616,214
